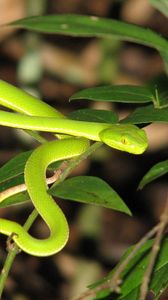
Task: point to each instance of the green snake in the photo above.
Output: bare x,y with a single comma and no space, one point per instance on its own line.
34,114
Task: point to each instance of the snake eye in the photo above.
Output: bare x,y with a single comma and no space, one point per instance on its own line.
124,141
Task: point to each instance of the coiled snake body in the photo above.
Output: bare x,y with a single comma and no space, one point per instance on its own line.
33,114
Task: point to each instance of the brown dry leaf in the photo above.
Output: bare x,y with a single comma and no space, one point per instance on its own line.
10,10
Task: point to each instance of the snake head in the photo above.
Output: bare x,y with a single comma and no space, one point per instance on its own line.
127,138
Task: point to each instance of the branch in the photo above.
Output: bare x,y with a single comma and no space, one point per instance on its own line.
154,252
13,250
114,282
22,187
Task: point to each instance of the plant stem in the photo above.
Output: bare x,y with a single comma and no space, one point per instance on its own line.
35,135
7,266
32,217
154,253
75,162
22,187
114,280
13,251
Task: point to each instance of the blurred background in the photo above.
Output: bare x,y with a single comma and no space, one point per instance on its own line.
53,67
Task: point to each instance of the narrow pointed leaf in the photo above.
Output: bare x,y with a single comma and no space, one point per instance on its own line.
116,93
90,190
147,114
85,189
134,272
164,56
91,26
94,115
155,172
11,182
14,167
19,198
11,172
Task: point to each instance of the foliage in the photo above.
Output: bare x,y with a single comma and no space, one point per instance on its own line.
133,276
153,108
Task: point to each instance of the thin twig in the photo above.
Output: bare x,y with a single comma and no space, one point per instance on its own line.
13,251
22,187
76,161
154,253
114,282
58,176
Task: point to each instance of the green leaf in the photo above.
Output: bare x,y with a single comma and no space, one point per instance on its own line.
11,182
91,26
134,294
162,99
147,114
9,173
90,190
140,254
156,171
102,295
134,272
85,189
19,198
161,5
164,56
94,115
116,93
14,167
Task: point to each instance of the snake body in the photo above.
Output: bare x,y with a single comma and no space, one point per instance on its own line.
34,114
35,171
